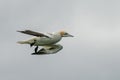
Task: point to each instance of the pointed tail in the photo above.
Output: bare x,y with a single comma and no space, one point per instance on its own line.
22,42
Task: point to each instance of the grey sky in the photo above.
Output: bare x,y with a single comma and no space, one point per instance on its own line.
93,54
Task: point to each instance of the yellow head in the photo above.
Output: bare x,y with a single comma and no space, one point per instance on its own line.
65,34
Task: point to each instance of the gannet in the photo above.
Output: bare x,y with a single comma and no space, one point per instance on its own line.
47,41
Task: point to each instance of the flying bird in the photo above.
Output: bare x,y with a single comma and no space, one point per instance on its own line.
47,41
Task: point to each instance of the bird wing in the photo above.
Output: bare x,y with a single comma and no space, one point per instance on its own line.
51,49
30,32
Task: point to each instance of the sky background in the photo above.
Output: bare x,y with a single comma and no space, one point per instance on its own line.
93,54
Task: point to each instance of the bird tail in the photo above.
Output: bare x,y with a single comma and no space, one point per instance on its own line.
22,42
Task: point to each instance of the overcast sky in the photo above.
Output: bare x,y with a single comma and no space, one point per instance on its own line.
93,54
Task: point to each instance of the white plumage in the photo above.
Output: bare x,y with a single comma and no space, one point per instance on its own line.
47,41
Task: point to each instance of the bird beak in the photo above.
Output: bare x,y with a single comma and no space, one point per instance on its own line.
69,35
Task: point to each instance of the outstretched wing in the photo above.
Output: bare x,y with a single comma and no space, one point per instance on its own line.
29,32
49,49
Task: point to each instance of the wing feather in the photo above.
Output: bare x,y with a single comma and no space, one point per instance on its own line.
30,32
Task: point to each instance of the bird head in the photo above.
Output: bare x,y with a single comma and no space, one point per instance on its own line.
65,34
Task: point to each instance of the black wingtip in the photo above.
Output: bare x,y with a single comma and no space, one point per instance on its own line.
23,31
19,31
39,53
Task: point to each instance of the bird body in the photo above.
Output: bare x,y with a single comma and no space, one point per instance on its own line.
47,41
42,41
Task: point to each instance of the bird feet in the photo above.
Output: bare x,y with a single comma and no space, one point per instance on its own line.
40,52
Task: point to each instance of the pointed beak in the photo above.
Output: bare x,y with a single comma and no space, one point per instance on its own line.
70,35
